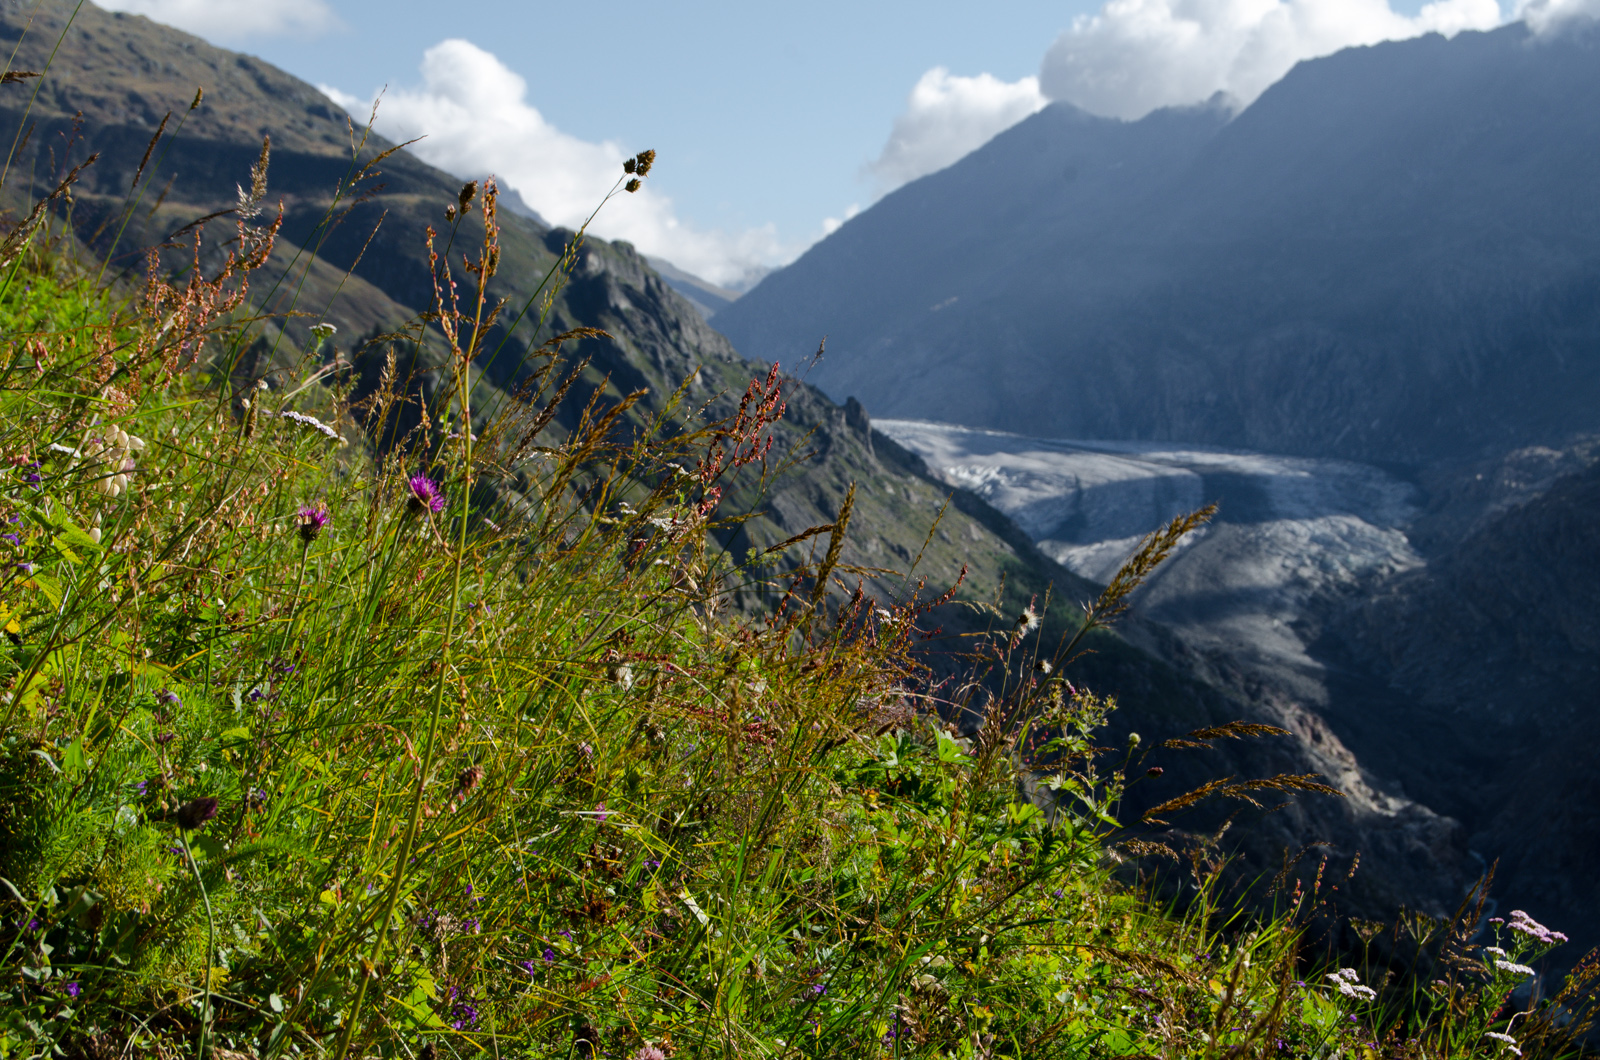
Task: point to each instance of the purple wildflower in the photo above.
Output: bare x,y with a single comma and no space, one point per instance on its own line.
649,1052
13,538
167,695
195,812
425,493
73,989
549,955
600,813
311,519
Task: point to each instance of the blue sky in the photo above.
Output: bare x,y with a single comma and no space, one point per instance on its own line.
772,120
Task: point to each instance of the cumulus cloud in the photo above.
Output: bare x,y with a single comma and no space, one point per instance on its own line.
232,21
1551,16
947,116
474,116
1137,55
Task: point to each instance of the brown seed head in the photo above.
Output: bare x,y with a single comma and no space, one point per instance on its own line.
632,185
629,165
469,191
643,161
199,94
450,212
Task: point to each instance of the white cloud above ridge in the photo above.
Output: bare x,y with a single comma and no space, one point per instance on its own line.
474,117
1138,55
234,21
1546,17
945,117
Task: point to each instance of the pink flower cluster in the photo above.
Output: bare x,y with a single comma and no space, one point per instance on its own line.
1524,923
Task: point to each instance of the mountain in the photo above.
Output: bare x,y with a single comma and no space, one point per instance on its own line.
1390,256
704,295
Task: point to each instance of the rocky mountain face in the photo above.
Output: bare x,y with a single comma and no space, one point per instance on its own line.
1390,256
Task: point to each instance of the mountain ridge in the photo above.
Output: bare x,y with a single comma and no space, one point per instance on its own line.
1265,282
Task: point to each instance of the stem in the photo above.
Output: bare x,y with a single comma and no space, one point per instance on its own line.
211,947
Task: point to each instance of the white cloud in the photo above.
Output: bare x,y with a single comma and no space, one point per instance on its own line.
946,117
233,21
475,117
1137,55
1551,16
830,225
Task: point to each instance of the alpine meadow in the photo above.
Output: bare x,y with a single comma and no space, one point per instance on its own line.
424,636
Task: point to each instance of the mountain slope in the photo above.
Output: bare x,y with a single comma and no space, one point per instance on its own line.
1389,256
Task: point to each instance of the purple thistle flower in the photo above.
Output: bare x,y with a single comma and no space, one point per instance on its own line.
425,493
195,812
311,519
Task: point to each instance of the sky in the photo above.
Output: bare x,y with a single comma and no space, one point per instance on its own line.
775,122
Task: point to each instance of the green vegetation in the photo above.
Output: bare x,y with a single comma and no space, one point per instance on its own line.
476,743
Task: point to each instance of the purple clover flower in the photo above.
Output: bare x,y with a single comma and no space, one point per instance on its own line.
425,493
311,519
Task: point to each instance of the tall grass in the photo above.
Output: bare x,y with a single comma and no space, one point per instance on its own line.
314,747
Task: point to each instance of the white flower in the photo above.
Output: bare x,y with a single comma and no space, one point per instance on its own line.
314,423
1496,950
1349,983
1511,1043
1516,969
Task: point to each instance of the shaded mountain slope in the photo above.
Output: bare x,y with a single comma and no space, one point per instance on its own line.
1389,256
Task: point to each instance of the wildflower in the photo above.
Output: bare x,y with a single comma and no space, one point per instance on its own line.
1154,771
1511,1043
73,989
1496,950
549,955
1348,982
314,423
311,520
167,695
466,1016
649,1052
323,330
1513,968
1524,923
425,493
1028,621
600,814
195,812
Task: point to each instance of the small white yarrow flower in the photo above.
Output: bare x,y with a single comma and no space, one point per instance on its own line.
1514,968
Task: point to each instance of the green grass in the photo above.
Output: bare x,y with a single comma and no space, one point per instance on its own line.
519,780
